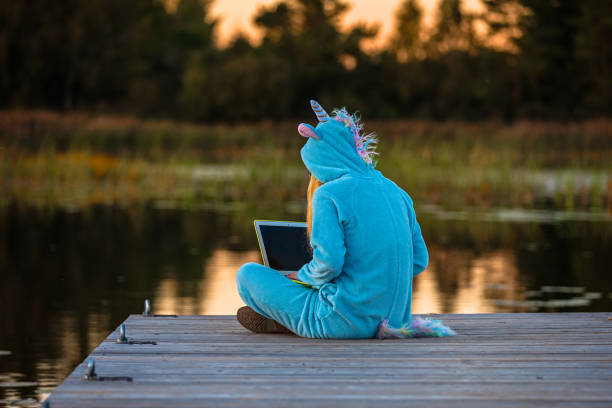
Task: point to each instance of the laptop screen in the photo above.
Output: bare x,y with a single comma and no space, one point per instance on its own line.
287,247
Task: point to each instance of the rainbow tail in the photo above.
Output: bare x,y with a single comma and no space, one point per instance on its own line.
418,327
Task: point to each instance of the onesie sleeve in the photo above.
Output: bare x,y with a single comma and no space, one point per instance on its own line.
327,241
420,254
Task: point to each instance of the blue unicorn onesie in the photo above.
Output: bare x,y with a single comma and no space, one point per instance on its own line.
367,243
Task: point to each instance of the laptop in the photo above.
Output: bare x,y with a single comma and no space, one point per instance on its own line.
284,245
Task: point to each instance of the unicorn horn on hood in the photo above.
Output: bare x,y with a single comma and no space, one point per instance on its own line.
319,111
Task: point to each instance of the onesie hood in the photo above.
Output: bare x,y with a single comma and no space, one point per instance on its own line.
336,146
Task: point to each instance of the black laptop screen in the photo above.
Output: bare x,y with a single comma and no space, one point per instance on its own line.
287,247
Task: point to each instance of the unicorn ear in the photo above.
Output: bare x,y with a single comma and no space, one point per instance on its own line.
319,111
307,131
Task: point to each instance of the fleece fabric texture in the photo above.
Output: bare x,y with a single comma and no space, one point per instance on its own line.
367,246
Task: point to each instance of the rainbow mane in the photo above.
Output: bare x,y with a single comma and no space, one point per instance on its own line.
365,144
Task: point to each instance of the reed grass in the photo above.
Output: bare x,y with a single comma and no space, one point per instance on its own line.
76,160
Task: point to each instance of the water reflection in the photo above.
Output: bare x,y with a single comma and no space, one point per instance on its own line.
219,295
216,290
478,281
68,279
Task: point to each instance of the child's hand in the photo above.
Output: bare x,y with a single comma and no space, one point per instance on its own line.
292,275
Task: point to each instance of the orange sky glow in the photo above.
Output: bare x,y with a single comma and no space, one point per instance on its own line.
237,15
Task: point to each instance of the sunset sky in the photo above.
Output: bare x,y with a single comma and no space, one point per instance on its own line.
237,15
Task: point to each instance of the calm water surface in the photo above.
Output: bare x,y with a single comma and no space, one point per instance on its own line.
69,278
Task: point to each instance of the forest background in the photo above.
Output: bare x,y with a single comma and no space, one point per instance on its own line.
513,59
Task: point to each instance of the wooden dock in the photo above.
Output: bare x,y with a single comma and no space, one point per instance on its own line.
497,360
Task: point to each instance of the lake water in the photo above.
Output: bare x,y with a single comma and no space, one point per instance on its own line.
69,278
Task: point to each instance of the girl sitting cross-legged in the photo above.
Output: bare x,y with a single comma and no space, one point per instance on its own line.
366,241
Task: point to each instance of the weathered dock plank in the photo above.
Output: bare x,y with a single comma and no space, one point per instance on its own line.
497,360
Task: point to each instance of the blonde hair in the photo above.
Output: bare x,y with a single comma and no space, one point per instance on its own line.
312,187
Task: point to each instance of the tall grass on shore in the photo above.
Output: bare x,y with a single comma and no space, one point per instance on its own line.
49,159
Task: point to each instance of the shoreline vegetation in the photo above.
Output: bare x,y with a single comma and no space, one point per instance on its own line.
71,161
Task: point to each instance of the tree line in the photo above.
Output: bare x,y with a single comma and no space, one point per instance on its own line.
514,59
